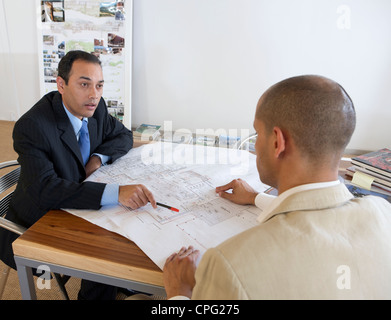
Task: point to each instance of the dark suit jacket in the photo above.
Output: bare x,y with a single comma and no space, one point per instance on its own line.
52,171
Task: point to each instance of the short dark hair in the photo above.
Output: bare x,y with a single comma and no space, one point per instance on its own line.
65,65
316,112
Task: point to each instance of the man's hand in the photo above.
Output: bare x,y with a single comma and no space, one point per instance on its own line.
93,164
135,196
242,192
179,271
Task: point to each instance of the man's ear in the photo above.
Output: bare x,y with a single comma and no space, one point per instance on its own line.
279,142
60,84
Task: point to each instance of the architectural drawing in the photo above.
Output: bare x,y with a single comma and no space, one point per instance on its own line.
204,219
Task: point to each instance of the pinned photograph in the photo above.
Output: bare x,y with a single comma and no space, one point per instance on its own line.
53,11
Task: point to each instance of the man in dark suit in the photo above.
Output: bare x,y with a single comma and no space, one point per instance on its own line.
52,166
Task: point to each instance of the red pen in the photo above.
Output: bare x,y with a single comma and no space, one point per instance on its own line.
168,207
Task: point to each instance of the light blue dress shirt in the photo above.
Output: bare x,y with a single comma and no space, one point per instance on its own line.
110,193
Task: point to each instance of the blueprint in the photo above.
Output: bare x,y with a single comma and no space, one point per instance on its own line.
184,177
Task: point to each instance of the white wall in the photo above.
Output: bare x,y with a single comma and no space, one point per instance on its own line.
19,80
204,63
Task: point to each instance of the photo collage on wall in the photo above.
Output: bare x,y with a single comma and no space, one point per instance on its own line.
94,26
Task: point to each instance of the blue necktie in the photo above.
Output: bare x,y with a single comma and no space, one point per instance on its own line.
84,142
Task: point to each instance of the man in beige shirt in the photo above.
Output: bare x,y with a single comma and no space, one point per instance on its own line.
313,241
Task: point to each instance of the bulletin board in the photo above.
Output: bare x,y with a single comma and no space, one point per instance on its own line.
95,26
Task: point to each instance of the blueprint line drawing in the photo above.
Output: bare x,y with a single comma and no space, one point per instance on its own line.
204,219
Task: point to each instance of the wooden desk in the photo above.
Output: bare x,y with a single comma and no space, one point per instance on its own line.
70,245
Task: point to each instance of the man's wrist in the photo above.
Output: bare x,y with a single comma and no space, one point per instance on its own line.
93,164
252,198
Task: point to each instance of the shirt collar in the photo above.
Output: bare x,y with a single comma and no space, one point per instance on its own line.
75,121
269,203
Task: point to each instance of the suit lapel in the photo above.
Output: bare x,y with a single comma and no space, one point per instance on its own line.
67,134
93,131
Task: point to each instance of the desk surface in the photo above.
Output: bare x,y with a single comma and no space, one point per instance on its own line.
64,239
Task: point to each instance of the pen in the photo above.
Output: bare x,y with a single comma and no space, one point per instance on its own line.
166,206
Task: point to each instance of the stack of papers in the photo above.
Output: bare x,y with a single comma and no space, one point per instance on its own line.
372,171
146,132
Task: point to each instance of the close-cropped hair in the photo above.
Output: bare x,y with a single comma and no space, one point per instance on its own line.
316,112
65,65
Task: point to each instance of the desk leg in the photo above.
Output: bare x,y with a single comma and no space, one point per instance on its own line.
26,282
